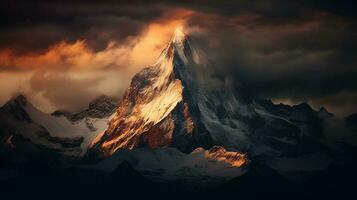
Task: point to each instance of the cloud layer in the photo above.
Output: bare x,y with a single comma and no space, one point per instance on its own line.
288,51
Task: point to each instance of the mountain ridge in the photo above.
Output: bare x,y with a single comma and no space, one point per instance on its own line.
20,119
174,122
156,91
101,106
171,104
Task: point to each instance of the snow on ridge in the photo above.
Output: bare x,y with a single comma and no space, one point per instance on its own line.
57,127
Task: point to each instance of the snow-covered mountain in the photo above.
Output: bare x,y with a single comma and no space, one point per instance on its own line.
101,107
176,103
168,104
66,133
177,122
169,164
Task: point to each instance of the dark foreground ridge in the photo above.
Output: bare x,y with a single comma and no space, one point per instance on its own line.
38,180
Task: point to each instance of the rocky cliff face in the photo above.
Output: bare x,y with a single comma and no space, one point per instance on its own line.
175,103
155,110
194,128
101,107
19,124
62,132
218,153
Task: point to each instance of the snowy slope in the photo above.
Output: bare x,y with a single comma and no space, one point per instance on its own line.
173,111
55,132
169,164
175,103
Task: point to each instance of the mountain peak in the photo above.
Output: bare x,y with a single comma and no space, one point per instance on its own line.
181,48
179,36
20,97
16,107
102,101
21,100
324,111
102,106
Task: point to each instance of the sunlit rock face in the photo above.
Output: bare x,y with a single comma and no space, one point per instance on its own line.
220,154
155,111
178,103
175,103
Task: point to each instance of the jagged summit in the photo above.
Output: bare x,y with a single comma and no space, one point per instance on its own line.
324,111
181,47
19,99
172,104
100,107
145,116
179,36
16,108
175,103
165,104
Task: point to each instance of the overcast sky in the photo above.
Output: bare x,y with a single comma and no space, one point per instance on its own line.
62,55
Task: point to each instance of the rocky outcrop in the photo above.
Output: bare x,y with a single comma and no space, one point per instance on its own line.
218,153
154,111
175,103
19,121
101,107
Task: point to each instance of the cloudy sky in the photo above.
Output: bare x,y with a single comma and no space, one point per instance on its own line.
62,55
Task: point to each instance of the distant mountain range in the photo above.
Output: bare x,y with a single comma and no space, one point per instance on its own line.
61,131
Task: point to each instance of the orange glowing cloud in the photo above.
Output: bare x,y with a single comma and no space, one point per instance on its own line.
133,53
157,34
65,55
70,65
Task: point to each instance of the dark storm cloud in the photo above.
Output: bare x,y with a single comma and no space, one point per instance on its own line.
310,57
301,50
30,26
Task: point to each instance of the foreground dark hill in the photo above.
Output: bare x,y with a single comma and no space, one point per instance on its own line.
42,182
